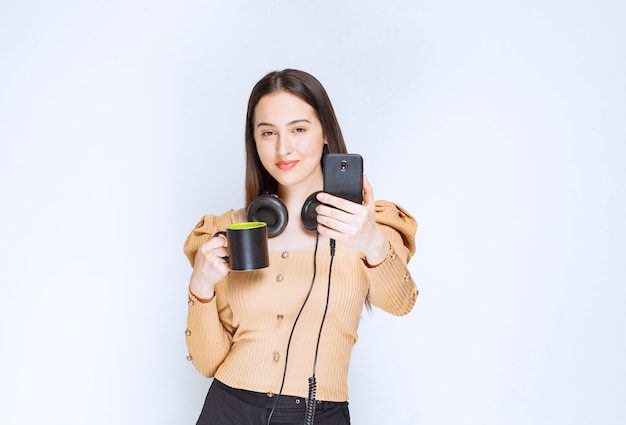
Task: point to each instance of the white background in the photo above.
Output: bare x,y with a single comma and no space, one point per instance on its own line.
499,124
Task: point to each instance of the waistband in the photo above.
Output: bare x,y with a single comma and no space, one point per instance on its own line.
267,400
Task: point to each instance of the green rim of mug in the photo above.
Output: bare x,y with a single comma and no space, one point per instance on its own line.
247,225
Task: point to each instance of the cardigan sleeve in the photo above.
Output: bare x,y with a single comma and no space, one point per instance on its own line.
203,231
209,325
391,286
209,331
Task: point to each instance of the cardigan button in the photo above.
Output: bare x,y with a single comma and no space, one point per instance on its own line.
284,255
280,278
276,357
188,332
280,317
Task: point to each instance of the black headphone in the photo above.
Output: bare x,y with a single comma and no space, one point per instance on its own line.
271,210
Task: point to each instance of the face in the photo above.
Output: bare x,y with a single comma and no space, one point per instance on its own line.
289,139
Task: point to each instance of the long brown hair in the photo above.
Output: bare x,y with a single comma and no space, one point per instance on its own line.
309,89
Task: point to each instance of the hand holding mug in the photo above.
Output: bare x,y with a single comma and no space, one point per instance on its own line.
243,248
209,267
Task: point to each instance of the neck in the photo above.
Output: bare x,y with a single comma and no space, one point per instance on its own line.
294,196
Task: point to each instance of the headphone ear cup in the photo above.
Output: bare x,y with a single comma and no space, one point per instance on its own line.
269,209
308,214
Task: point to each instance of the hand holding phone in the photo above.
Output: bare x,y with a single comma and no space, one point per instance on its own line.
343,177
355,225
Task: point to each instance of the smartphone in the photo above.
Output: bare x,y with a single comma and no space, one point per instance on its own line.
343,176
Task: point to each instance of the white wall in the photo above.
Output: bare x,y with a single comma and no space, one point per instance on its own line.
500,125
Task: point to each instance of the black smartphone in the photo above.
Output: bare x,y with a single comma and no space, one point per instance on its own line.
343,176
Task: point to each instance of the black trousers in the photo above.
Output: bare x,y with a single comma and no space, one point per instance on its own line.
229,406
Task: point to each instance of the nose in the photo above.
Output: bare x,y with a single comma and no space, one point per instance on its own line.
283,145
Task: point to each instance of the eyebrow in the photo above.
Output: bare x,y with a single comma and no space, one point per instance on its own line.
289,123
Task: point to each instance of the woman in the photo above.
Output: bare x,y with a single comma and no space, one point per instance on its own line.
257,332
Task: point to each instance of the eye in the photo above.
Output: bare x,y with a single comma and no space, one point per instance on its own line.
267,133
299,130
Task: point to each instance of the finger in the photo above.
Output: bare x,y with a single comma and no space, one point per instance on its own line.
209,248
328,232
213,259
214,243
221,252
214,248
337,202
368,191
340,221
328,215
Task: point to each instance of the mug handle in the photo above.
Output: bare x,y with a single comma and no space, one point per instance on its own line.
223,233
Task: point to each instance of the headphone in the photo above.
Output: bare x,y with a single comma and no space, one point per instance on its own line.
268,208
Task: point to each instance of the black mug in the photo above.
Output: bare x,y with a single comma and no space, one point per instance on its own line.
247,245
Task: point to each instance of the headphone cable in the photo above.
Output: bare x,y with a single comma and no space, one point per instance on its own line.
282,384
310,402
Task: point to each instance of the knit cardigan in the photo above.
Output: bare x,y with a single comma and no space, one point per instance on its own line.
241,336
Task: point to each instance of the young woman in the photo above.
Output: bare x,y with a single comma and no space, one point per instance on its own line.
259,334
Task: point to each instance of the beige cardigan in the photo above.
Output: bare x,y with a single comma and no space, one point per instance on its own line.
240,337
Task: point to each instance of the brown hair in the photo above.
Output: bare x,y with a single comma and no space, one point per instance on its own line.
309,89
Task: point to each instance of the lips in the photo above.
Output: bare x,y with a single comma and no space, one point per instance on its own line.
286,165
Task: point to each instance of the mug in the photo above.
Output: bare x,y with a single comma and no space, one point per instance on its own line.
247,245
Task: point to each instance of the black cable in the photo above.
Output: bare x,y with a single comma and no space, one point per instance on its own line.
282,384
310,402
